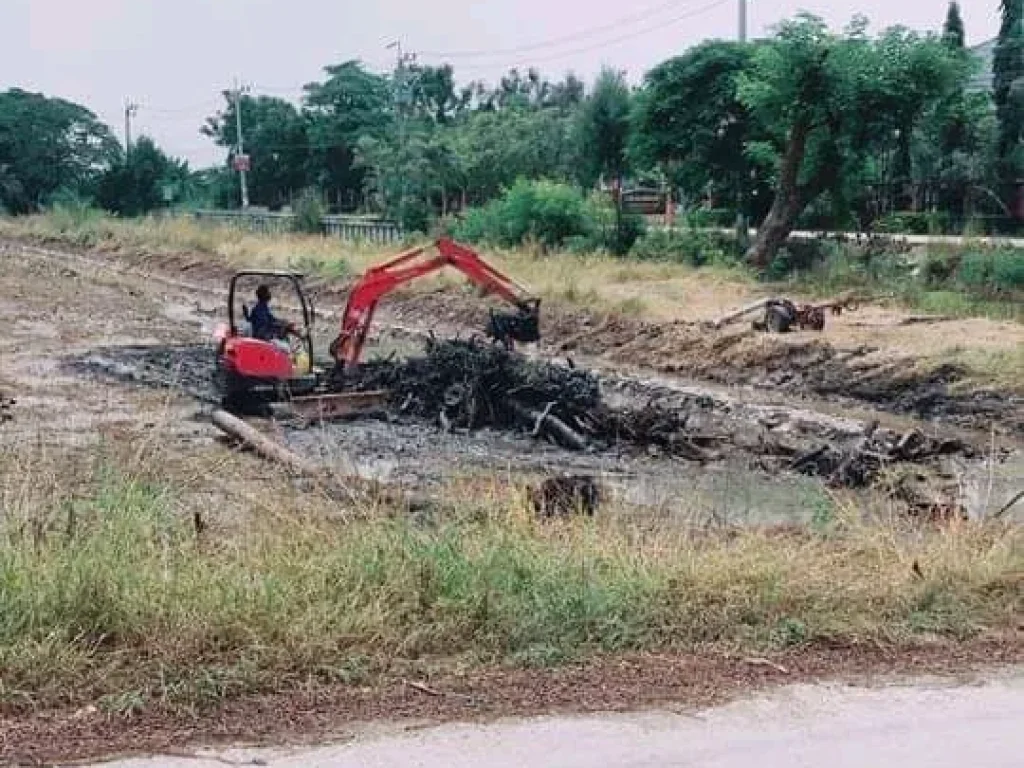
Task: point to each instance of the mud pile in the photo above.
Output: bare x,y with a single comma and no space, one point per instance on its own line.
799,366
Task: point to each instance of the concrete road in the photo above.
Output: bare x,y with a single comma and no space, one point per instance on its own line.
921,726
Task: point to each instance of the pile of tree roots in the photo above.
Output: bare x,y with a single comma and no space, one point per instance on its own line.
469,384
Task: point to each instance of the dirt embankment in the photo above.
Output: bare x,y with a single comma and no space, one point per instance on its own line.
857,372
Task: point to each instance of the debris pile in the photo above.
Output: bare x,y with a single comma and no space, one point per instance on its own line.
468,384
858,465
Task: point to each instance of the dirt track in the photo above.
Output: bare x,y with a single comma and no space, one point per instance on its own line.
101,343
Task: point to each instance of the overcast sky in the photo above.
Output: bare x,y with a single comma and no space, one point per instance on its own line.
174,56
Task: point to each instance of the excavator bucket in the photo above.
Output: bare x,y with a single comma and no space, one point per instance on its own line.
522,325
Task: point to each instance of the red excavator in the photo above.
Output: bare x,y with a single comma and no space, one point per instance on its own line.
255,372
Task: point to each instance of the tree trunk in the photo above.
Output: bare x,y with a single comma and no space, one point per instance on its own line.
790,200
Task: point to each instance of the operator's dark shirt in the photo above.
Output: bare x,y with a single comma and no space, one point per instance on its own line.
264,324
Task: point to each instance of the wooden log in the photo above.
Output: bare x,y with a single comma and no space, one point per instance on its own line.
263,445
563,431
347,491
733,316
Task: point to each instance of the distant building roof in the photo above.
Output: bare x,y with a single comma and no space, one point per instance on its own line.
982,81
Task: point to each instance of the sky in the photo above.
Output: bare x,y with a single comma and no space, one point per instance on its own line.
174,57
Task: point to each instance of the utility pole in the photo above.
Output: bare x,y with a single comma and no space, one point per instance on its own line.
131,109
402,100
743,21
241,161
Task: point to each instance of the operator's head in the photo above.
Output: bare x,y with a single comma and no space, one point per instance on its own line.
263,294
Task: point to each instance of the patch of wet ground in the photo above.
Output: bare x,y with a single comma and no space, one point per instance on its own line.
759,462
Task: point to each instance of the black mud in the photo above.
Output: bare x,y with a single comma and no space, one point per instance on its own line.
473,391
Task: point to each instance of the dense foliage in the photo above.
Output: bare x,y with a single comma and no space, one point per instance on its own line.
49,146
807,128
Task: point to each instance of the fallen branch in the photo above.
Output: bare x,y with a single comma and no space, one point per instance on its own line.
1007,507
263,445
563,431
344,492
423,688
758,662
732,316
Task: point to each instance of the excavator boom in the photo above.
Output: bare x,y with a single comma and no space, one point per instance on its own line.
522,325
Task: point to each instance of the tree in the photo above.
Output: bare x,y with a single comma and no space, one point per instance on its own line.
689,121
827,100
46,145
136,185
1008,87
349,105
433,93
275,139
953,29
604,129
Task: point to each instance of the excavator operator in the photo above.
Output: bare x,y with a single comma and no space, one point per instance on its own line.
264,325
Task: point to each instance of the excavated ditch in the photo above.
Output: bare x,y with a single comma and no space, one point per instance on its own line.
465,405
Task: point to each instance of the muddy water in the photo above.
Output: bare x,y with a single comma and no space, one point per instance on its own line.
413,454
924,725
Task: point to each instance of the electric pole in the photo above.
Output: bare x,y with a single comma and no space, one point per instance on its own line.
403,100
743,21
241,160
131,109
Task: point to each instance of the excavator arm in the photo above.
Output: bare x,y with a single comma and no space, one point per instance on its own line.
522,325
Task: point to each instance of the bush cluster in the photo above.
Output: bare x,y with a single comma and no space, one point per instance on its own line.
554,215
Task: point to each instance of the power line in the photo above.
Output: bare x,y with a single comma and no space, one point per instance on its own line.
555,41
163,111
605,43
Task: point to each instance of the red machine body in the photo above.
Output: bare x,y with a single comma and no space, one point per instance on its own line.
255,358
384,278
254,371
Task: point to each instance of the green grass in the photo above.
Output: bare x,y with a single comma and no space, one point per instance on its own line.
107,596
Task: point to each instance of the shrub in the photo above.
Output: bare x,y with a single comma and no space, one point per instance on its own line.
544,211
684,246
914,223
554,215
711,218
938,268
621,239
992,271
1008,270
309,212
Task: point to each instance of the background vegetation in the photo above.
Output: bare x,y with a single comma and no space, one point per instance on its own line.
808,128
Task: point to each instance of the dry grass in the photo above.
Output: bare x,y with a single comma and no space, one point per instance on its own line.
107,594
660,292
667,291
